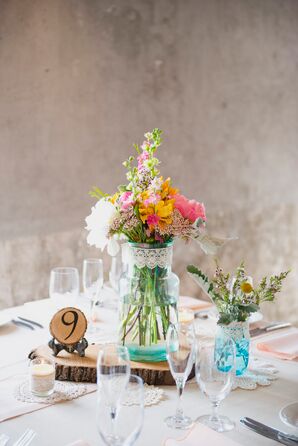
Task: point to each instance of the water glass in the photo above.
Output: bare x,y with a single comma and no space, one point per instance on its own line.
113,371
125,427
64,286
180,356
92,284
215,369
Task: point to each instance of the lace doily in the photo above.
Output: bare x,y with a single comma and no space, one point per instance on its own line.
258,373
152,395
151,258
63,391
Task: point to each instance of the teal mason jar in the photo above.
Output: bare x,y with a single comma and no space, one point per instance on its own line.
149,293
239,332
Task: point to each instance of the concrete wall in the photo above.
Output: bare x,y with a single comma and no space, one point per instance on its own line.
80,80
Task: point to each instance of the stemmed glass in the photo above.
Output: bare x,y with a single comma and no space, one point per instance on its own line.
126,427
113,371
215,368
180,356
92,283
115,272
64,286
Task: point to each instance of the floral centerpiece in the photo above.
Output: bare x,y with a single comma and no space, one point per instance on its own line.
236,299
149,213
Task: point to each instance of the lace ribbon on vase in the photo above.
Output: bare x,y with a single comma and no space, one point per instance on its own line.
63,391
152,258
259,373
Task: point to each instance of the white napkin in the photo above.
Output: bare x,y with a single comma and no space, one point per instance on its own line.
79,443
10,407
202,435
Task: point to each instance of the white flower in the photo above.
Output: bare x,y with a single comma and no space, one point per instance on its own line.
98,223
155,184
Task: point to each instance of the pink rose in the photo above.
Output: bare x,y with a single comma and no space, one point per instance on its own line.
126,200
189,209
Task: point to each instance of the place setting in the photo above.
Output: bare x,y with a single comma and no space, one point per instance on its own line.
135,341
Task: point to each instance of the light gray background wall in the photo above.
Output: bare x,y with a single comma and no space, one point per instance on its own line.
81,80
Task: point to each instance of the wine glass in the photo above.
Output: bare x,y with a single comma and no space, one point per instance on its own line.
126,427
64,286
115,272
92,284
215,368
113,370
180,356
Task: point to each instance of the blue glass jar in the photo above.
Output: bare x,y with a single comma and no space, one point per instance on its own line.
239,332
149,293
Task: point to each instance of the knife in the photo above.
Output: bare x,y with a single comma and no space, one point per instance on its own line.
258,331
269,432
31,322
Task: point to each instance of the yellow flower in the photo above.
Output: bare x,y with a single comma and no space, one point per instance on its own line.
167,190
246,287
162,210
114,197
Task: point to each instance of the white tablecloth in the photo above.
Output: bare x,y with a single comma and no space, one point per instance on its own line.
63,423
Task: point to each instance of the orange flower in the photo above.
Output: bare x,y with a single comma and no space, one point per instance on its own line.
166,190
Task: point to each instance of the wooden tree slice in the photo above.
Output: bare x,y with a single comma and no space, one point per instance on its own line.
72,367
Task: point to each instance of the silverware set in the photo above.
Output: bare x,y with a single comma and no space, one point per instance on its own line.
270,432
269,328
25,439
26,323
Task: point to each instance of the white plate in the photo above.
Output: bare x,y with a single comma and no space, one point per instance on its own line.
289,414
255,317
4,319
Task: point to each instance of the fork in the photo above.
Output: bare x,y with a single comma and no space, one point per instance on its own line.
26,438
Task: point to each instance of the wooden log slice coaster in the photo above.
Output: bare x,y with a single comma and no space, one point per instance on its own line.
72,367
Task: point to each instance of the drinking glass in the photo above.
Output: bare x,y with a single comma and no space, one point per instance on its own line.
215,368
115,272
92,284
180,356
125,427
64,286
113,370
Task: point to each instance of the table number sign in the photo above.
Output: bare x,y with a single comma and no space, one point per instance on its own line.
68,327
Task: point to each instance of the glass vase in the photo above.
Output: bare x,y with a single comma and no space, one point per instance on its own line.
148,293
239,332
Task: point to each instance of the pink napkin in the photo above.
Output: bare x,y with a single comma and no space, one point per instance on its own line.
192,303
284,346
201,434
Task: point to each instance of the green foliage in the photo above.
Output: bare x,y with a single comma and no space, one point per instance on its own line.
235,298
97,193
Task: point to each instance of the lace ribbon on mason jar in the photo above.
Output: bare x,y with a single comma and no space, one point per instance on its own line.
151,258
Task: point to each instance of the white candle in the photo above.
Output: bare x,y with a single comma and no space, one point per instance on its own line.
42,376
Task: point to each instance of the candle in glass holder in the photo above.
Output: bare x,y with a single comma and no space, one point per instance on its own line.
42,376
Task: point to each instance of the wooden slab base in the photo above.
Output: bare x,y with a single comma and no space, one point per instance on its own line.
72,367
